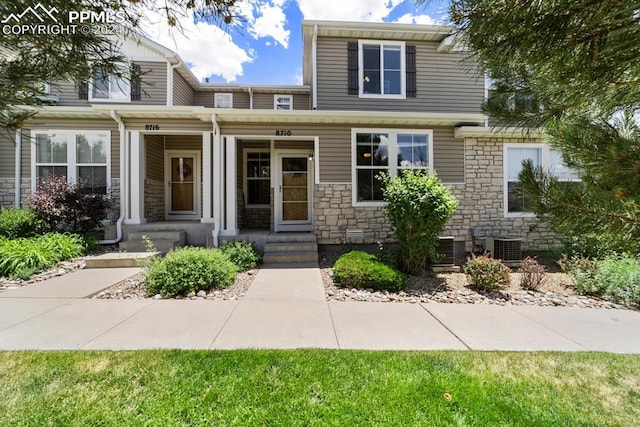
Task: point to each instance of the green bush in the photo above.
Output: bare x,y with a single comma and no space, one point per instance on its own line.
16,223
190,269
243,254
418,206
20,258
616,278
487,274
357,269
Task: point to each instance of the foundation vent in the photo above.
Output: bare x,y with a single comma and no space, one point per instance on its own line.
355,236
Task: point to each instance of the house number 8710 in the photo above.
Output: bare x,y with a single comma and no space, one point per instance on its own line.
283,133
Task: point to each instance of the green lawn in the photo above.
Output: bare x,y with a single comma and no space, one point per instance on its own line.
317,387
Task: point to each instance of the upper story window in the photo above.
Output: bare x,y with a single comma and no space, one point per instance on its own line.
283,102
517,202
223,100
382,68
386,151
109,87
81,155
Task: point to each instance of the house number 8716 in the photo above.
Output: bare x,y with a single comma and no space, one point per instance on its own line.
151,127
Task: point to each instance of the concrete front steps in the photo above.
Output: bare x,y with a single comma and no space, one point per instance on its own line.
163,241
291,248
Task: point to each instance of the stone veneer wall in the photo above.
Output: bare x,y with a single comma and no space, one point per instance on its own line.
154,203
333,215
480,213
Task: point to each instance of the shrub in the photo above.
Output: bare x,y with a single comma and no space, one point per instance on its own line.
16,223
190,269
67,206
357,269
533,274
418,206
243,254
487,274
616,278
22,257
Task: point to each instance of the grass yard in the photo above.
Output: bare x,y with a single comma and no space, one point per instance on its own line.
317,387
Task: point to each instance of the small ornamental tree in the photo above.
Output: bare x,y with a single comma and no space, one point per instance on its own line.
67,206
418,206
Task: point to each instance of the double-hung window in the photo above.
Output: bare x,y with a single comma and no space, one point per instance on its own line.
75,155
283,102
257,178
516,200
382,69
223,100
109,87
386,152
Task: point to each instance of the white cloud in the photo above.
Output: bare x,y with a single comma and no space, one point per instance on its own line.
347,10
270,22
410,18
207,48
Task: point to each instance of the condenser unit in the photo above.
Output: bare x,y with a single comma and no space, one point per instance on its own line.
509,250
446,250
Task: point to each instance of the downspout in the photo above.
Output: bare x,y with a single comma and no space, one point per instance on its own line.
172,68
123,182
18,167
215,233
314,69
250,89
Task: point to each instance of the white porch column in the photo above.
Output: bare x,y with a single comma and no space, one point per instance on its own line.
218,180
207,178
231,188
135,168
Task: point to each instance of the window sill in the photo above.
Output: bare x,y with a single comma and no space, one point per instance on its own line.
373,96
519,215
368,204
110,101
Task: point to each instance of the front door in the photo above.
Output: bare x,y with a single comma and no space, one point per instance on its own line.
293,192
182,172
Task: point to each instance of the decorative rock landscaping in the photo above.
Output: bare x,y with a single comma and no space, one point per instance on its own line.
62,268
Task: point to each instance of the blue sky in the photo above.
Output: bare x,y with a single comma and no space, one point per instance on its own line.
266,48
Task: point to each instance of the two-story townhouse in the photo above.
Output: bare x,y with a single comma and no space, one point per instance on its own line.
225,159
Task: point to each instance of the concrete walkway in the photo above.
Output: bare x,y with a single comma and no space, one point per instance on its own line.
286,308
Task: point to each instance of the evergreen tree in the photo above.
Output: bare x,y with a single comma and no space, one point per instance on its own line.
571,67
30,58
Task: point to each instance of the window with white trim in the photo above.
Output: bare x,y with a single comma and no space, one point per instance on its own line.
517,202
109,87
283,102
76,155
257,178
223,100
377,151
382,68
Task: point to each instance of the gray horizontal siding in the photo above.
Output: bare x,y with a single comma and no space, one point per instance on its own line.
74,125
335,148
301,101
7,154
154,87
444,82
154,156
183,93
241,100
263,101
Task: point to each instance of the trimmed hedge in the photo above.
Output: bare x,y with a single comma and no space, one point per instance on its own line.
487,274
190,269
361,270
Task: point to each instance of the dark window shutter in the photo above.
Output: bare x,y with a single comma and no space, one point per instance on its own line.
410,52
136,90
352,66
83,90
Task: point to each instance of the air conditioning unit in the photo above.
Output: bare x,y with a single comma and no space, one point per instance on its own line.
446,249
507,249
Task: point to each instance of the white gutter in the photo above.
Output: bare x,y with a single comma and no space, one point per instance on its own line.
18,167
123,182
171,69
314,69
